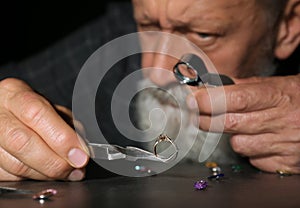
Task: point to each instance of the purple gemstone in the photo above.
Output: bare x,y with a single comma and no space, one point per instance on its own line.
200,185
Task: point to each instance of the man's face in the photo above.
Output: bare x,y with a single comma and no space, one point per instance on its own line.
233,33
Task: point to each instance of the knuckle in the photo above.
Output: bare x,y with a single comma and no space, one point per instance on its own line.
12,167
33,108
57,169
17,140
62,139
11,83
239,99
237,144
231,122
19,169
6,176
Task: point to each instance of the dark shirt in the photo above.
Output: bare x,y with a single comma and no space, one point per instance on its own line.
54,71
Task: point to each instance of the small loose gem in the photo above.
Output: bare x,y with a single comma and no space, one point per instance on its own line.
236,168
211,164
216,176
200,185
216,170
45,194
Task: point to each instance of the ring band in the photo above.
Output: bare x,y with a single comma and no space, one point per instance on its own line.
163,138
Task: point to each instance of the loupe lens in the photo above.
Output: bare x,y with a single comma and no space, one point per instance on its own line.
187,72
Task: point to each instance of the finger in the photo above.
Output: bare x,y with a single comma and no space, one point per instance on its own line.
11,166
274,163
25,145
250,80
39,115
65,114
77,175
235,98
64,110
257,122
77,125
5,176
263,145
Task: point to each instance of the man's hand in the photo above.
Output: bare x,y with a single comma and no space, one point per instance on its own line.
35,142
262,114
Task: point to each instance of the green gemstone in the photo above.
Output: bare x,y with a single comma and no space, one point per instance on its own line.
236,168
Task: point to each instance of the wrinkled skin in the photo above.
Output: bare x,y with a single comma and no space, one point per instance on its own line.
262,114
36,143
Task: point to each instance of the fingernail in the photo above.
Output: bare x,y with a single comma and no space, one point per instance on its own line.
77,157
192,103
76,175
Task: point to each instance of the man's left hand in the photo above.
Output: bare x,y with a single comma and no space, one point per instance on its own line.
263,116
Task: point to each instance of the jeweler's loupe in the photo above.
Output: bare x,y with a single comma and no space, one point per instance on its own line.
191,70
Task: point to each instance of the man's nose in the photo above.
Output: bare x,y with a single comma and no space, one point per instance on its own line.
161,65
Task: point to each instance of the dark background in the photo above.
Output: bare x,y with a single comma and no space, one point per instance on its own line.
28,27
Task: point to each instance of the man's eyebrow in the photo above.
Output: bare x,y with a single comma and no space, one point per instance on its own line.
190,21
213,22
198,21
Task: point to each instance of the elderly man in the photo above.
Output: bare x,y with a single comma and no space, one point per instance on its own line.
241,37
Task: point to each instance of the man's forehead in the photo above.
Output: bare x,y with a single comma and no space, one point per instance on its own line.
205,6
183,11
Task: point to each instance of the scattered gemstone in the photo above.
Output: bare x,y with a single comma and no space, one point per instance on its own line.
211,164
200,185
216,170
236,168
216,176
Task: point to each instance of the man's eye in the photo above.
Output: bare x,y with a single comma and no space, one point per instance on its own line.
205,35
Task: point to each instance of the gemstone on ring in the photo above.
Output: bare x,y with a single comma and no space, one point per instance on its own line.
200,185
283,173
163,138
45,194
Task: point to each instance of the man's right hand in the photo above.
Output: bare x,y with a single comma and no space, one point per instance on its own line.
35,142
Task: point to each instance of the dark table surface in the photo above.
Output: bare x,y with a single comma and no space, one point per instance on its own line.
174,188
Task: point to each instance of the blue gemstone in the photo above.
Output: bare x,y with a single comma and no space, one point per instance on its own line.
217,176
